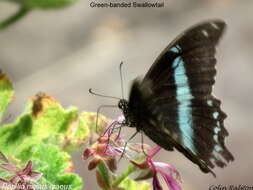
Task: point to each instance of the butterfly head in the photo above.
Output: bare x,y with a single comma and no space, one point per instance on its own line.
123,105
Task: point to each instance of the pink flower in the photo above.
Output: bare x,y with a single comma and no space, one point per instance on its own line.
157,167
165,170
18,176
107,148
103,150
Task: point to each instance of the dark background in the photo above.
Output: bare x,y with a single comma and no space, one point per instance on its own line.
65,52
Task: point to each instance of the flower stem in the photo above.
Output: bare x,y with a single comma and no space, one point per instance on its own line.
14,18
131,168
104,173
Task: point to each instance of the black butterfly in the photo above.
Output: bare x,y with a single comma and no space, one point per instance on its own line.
173,104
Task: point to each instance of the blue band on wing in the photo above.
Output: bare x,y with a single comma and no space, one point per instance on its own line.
184,97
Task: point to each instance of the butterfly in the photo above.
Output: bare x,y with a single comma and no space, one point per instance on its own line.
173,104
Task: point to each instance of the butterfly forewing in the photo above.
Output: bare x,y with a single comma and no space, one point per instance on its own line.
180,110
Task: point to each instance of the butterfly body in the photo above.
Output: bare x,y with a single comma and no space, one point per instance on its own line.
173,104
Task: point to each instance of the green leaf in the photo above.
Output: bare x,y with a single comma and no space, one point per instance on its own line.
44,121
25,6
91,120
6,93
71,180
45,4
129,184
55,164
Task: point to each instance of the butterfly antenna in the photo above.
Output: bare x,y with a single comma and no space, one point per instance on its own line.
101,95
121,79
98,112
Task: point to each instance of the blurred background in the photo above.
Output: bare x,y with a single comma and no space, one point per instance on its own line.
67,51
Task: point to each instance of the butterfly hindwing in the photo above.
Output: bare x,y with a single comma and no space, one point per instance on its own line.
181,111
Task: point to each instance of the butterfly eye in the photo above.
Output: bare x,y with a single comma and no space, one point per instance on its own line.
123,105
120,104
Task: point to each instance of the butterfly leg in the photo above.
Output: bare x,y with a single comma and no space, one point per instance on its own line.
142,145
124,149
98,111
119,132
109,131
110,128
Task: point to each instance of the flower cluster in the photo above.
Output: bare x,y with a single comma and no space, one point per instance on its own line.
19,178
111,145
